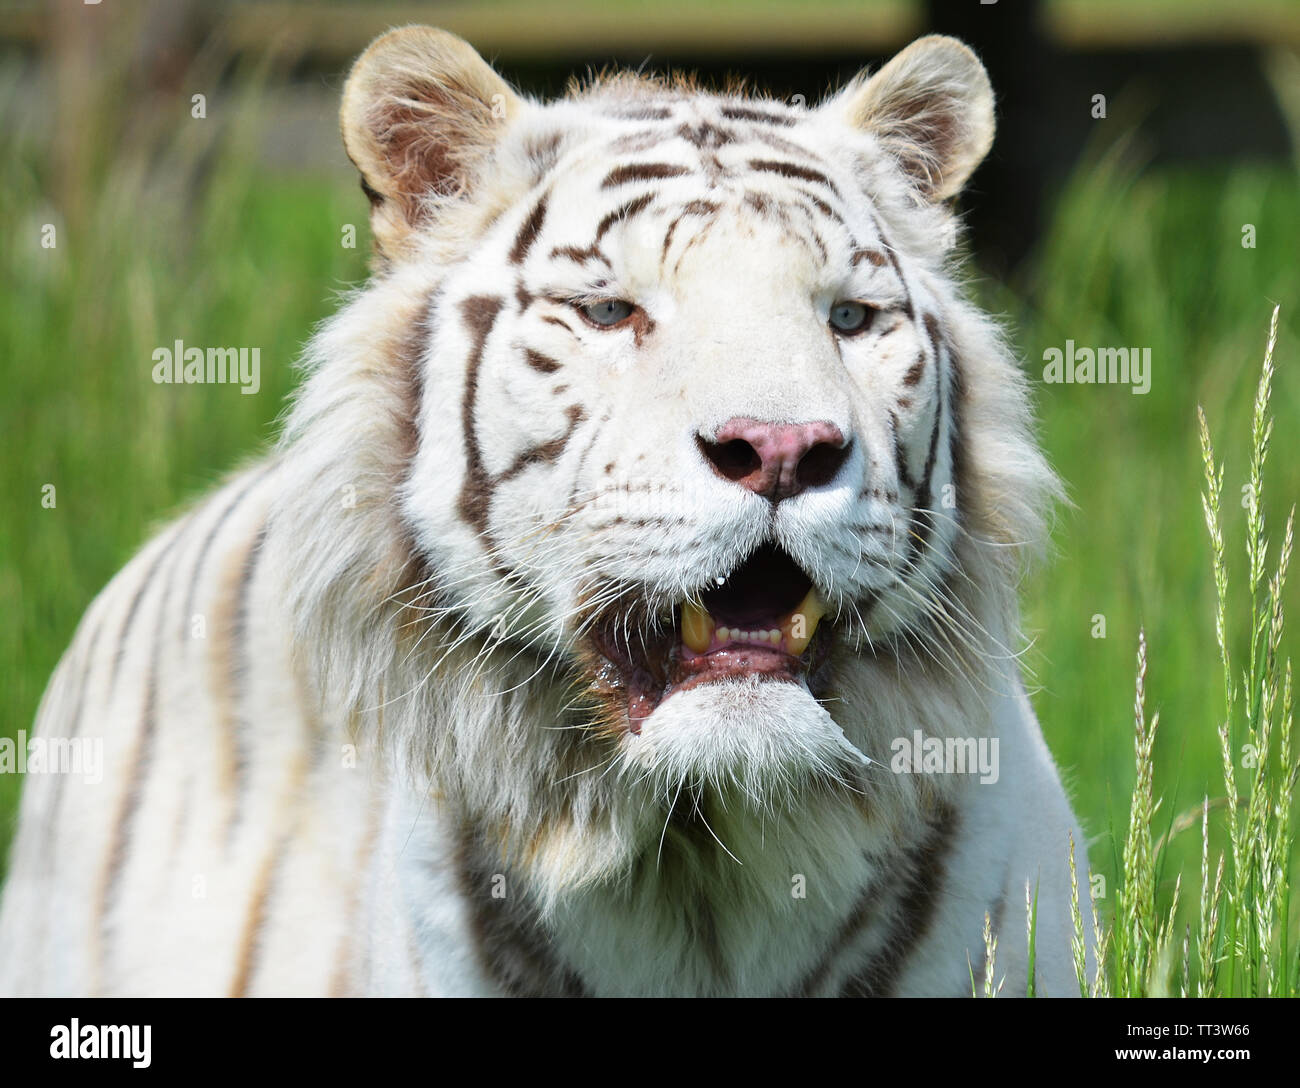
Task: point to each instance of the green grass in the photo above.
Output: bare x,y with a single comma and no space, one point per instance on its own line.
1148,259
1155,261
231,259
1240,942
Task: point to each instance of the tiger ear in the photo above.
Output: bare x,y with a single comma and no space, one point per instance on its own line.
421,113
931,107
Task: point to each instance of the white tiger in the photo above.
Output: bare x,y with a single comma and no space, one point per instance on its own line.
654,499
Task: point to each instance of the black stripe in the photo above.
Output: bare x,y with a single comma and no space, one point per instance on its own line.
551,319
631,208
547,452
528,232
580,256
509,940
543,151
479,312
408,375
636,142
639,113
202,558
704,135
241,667
793,170
582,460
956,391
928,472
866,907
252,945
692,207
900,456
543,363
642,171
695,239
784,146
141,764
908,308
760,202
817,241
923,874
812,239
762,117
145,583
822,206
923,517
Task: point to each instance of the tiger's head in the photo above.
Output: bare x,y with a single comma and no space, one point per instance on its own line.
678,459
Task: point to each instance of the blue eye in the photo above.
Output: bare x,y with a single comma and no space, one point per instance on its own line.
607,312
848,316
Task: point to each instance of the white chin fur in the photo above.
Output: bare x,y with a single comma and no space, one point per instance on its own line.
763,741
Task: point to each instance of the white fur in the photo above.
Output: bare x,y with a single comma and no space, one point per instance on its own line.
458,690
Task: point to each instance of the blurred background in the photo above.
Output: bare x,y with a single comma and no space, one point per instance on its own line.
173,171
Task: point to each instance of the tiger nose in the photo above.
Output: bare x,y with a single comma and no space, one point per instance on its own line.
776,460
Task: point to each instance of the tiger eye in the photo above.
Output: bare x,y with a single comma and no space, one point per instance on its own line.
850,317
607,312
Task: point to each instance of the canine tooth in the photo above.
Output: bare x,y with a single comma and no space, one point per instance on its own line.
724,633
801,624
697,627
774,636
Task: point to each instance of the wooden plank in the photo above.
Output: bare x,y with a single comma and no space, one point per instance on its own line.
548,28
530,30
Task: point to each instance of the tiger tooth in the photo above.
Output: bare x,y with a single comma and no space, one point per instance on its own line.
697,627
800,626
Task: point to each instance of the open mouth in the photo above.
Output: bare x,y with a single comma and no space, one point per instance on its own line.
764,620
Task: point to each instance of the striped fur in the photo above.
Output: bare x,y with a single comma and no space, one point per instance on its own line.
359,732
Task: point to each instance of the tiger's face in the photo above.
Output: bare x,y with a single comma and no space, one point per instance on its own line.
690,424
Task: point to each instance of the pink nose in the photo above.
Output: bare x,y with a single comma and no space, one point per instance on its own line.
776,460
